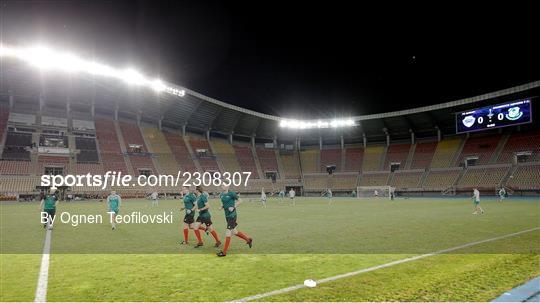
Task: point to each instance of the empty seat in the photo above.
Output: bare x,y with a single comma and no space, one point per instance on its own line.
267,159
353,159
372,158
440,180
404,180
246,161
423,155
445,152
8,167
397,153
374,179
180,151
482,147
207,162
331,156
521,142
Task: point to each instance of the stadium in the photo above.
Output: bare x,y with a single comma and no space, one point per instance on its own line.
71,124
377,207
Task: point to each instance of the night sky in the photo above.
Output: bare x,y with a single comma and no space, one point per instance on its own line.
301,60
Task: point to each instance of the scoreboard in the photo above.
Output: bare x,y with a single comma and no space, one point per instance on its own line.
494,116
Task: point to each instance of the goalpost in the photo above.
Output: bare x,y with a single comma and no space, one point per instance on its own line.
374,191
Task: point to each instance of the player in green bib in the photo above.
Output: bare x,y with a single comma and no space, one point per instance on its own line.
204,220
229,203
48,205
327,193
281,195
114,201
189,206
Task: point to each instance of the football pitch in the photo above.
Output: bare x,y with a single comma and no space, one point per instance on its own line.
417,249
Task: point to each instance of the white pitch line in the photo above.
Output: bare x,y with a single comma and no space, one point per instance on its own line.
41,289
361,271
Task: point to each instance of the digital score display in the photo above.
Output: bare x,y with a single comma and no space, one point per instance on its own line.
495,116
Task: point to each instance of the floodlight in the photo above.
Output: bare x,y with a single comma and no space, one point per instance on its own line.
39,56
6,51
298,124
47,59
98,69
158,85
132,76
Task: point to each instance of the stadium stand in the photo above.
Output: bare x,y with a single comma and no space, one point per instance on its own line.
226,155
310,160
157,143
374,178
372,158
52,161
142,163
441,179
114,162
290,163
423,154
21,118
521,142
167,164
485,178
87,150
336,182
343,181
481,146
109,146
15,146
85,143
493,177
132,136
397,153
246,161
267,159
407,179
330,156
316,182
254,186
353,159
207,161
18,184
4,116
127,147
180,151
8,167
445,152
525,177
471,178
85,168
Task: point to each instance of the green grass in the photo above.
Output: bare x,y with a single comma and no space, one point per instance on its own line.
311,240
450,277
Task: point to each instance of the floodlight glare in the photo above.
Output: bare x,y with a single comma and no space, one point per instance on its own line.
97,69
297,124
40,56
158,85
6,51
132,76
46,59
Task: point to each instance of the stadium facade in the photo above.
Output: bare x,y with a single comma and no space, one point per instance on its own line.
61,123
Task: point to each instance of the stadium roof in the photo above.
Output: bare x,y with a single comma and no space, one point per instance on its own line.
200,113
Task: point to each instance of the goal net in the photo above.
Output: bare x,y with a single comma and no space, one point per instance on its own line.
374,191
